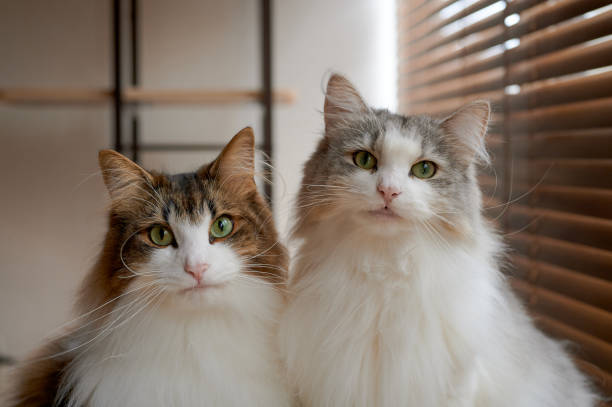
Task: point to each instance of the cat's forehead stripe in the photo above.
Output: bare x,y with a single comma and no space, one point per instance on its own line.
400,142
186,196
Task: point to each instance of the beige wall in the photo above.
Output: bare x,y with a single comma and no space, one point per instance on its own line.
52,200
51,212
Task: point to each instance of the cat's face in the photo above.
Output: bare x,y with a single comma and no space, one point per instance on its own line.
197,235
387,172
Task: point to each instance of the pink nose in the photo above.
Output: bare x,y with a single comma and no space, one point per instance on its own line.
196,270
388,193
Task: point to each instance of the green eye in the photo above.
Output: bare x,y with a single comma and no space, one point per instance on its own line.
364,160
161,236
221,227
423,169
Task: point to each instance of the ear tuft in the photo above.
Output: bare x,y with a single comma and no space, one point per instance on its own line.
341,101
121,174
236,163
468,127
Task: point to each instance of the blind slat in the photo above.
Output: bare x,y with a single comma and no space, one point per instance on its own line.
585,114
446,106
586,230
589,348
473,43
549,93
584,201
571,60
602,379
574,313
421,15
492,79
436,39
587,289
417,32
582,143
589,260
585,173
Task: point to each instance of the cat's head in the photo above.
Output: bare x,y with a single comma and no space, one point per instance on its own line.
193,236
385,173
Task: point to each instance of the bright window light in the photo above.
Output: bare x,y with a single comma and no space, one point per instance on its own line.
512,43
512,19
512,90
387,60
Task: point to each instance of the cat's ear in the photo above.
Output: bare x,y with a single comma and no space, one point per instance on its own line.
236,163
468,126
122,176
342,101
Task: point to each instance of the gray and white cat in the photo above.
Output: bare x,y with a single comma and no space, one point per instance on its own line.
396,294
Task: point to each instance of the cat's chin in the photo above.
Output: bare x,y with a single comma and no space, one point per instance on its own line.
382,221
200,289
385,214
196,297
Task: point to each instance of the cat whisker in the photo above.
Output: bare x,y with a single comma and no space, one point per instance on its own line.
100,307
522,229
117,323
114,310
81,332
276,243
67,351
435,235
518,198
87,178
509,191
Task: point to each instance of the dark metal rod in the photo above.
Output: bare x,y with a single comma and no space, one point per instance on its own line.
118,90
6,360
135,79
266,68
134,30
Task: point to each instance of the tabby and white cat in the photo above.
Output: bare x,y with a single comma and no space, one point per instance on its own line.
183,304
396,294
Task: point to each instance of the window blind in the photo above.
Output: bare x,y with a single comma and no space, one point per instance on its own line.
546,66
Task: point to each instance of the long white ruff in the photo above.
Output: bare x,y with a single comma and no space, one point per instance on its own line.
418,322
167,357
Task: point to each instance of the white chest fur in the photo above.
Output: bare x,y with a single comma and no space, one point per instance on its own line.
379,330
168,359
432,327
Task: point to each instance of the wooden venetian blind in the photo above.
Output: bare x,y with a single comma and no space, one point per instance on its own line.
546,66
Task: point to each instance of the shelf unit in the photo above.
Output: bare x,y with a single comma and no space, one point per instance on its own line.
122,96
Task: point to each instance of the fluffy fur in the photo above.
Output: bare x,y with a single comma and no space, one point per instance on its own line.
152,334
400,302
